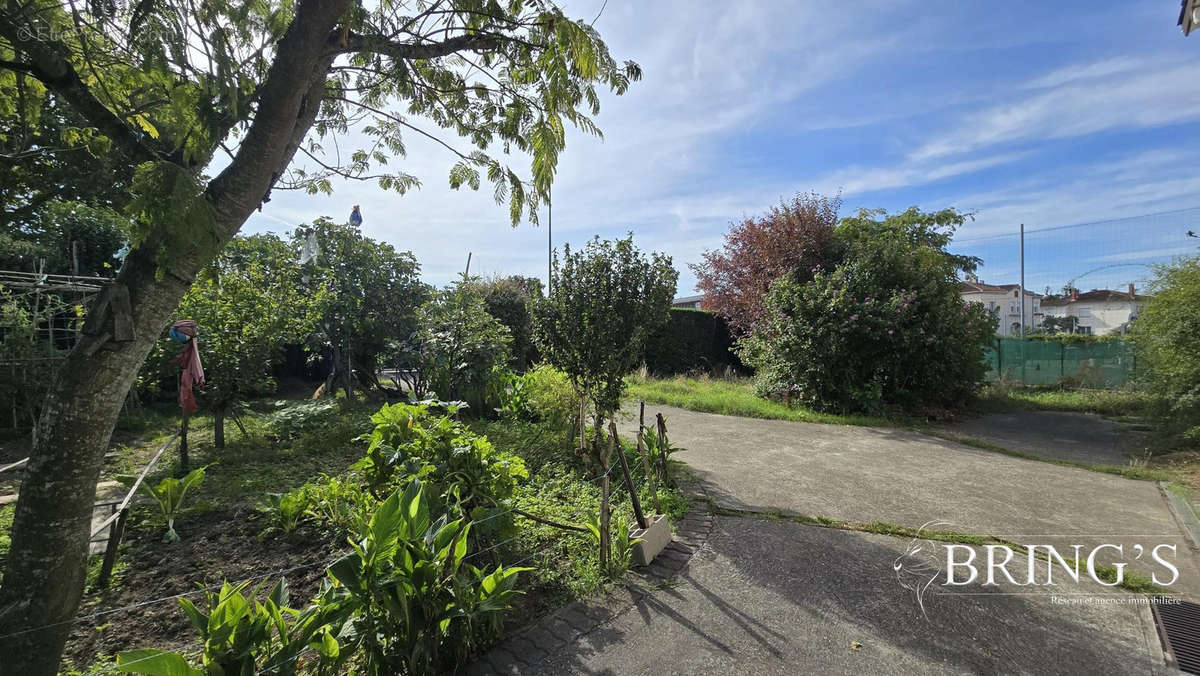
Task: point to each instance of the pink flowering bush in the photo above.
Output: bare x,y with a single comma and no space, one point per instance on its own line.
882,329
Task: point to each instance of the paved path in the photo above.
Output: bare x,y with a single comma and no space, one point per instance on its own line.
1079,437
775,597
869,475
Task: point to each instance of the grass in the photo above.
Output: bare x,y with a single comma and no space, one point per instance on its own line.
733,396
1123,403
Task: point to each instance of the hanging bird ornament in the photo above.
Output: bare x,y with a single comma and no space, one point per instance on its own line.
355,217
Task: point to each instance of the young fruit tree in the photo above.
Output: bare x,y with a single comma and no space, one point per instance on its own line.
170,85
605,300
248,304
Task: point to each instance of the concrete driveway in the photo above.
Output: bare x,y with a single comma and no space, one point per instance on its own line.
869,475
1078,437
774,597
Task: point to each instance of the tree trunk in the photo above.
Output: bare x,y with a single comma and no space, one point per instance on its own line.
48,557
47,561
219,427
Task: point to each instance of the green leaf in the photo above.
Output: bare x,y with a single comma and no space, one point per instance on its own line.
155,663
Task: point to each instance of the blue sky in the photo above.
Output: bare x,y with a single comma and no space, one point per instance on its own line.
1039,113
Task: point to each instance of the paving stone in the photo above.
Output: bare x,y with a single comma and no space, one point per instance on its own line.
544,639
525,650
561,629
576,617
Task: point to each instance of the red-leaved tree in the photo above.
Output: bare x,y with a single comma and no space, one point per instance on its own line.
790,239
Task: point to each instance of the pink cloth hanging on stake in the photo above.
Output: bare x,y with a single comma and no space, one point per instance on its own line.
188,360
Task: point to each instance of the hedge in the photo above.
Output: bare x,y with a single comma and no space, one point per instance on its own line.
691,341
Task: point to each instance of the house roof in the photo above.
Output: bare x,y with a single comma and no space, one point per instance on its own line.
1093,296
688,299
980,287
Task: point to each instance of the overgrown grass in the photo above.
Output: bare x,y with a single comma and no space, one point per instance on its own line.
733,396
1116,403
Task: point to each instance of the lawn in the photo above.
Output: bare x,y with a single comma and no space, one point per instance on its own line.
732,396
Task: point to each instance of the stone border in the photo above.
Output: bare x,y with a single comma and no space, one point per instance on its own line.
531,645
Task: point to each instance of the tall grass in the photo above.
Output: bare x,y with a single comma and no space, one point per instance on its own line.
731,396
1003,396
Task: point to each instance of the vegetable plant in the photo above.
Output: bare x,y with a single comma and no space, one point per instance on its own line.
169,494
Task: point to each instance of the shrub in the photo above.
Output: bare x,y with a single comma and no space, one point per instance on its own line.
606,298
462,471
1167,336
508,300
549,396
885,328
455,351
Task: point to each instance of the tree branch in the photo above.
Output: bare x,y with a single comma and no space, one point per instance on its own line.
404,50
49,64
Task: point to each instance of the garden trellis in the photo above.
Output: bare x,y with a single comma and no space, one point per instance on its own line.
41,317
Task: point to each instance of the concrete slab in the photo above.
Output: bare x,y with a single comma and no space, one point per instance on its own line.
868,475
773,597
1078,437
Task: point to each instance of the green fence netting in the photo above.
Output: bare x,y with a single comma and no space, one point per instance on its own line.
1100,364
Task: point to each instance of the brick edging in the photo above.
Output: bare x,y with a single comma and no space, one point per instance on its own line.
542,638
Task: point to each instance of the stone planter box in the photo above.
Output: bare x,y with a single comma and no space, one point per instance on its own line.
655,537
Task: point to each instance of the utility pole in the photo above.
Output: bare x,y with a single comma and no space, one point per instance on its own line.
549,242
1022,290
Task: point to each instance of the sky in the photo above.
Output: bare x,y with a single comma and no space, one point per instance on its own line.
1046,114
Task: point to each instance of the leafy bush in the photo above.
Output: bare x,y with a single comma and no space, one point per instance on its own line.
335,503
404,601
1167,336
508,300
291,420
462,471
454,353
884,328
542,393
606,298
416,606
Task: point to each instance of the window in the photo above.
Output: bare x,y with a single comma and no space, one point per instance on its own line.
1084,311
1016,328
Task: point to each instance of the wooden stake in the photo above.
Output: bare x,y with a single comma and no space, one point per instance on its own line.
183,444
605,451
633,496
662,448
115,533
641,447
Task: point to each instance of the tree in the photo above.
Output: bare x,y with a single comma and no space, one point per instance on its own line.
247,304
1167,337
1064,324
372,295
169,86
509,299
456,347
70,238
794,238
606,299
882,328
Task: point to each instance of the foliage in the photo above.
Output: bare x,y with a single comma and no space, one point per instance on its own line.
622,544
1167,336
508,300
458,345
169,494
462,472
1055,325
884,328
247,305
337,504
371,293
541,393
28,359
411,595
63,233
291,420
794,240
605,300
241,635
691,341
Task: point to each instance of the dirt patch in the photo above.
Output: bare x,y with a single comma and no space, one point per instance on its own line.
214,546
